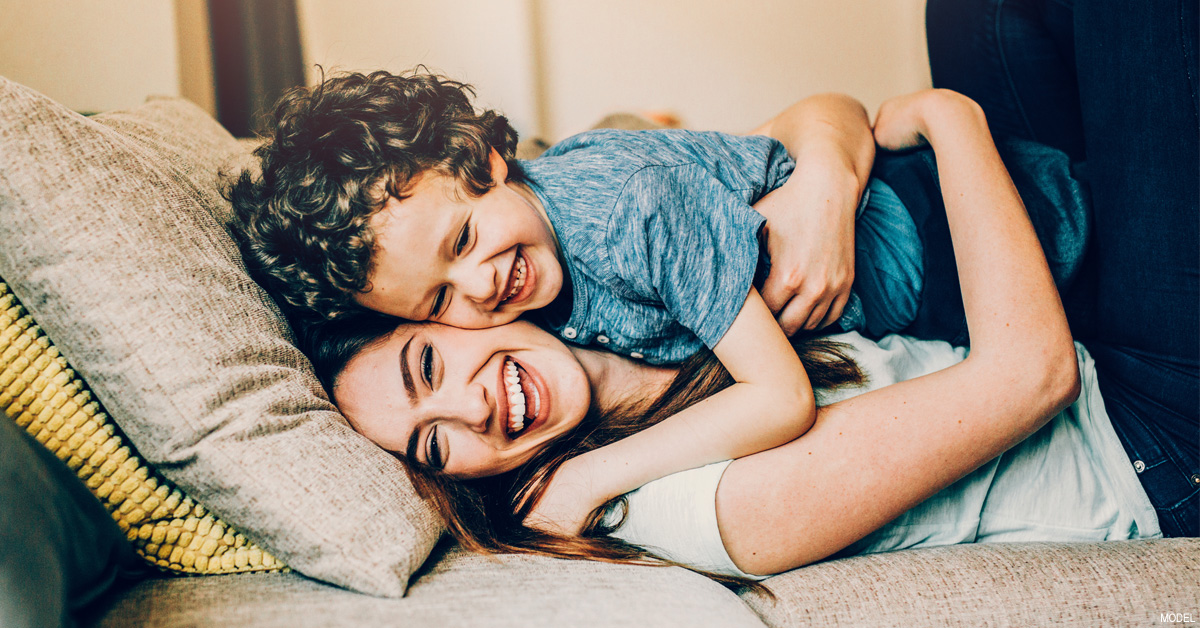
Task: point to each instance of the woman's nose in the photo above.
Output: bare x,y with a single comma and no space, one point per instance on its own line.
474,409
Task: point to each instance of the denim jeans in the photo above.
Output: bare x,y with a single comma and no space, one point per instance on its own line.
1116,84
61,551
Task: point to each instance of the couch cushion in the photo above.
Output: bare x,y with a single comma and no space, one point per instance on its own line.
459,590
43,394
113,242
1117,583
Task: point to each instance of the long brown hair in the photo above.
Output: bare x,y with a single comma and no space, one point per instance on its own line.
488,515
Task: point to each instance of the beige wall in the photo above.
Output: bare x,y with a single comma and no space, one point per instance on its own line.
483,42
556,66
91,56
726,65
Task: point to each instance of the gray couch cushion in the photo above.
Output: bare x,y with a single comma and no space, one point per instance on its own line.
112,240
459,590
1120,583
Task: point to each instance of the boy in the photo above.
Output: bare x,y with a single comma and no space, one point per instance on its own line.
344,218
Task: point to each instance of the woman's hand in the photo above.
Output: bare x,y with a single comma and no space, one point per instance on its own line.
902,121
810,239
810,218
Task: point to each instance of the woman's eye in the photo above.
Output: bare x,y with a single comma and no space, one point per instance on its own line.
439,300
463,238
433,455
427,364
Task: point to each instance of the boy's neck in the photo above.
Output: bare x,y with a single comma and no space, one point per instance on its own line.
532,198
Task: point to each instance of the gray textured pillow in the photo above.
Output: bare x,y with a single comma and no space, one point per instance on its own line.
113,237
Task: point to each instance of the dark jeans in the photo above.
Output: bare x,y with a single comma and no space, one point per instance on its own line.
1114,83
60,550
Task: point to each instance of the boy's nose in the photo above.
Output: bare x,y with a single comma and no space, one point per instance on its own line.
480,285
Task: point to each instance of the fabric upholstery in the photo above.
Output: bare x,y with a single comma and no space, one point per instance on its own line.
459,590
113,241
44,396
1116,583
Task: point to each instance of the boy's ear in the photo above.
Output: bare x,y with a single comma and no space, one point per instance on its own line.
499,167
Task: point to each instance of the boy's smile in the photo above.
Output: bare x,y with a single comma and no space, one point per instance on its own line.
470,262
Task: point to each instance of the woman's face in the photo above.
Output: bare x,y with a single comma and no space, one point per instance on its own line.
452,399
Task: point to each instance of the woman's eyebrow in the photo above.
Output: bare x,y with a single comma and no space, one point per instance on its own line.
406,374
410,452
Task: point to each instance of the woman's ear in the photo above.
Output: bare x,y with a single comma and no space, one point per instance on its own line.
499,167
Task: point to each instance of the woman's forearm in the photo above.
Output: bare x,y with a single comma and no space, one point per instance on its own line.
826,130
872,457
1013,309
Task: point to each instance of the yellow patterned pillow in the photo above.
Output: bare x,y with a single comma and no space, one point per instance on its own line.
40,391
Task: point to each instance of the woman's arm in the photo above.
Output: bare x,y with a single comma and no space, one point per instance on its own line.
870,458
810,218
770,403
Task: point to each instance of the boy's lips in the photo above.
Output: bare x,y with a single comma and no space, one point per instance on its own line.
521,280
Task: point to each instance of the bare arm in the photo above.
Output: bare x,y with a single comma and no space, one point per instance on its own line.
770,403
810,218
872,457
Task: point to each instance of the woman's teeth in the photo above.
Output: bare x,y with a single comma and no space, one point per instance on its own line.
520,281
516,397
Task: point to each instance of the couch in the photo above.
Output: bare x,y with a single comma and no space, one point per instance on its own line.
117,241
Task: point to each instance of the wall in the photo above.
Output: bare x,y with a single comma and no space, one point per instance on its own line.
91,56
556,66
483,42
726,65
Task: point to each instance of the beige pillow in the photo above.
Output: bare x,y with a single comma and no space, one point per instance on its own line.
114,240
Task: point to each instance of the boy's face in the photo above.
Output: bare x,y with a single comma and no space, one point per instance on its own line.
441,255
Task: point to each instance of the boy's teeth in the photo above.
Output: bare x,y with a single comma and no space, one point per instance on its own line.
520,280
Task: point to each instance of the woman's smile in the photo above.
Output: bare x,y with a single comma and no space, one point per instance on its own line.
524,401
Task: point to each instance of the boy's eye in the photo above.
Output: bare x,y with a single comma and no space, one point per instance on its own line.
439,300
433,454
427,365
463,238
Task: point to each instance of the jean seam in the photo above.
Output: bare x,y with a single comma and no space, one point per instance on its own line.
1183,45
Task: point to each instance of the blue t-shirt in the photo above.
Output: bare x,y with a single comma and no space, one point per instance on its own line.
660,244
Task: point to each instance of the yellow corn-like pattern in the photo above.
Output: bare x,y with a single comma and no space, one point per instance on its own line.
40,391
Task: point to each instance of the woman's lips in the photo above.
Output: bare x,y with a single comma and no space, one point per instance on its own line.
539,399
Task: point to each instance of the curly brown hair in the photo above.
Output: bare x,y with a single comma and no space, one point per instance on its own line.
335,154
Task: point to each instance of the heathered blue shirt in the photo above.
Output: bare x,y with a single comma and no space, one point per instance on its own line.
657,234
660,244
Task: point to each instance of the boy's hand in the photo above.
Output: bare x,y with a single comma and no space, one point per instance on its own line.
566,503
810,238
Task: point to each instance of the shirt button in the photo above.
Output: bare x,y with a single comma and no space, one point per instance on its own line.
637,356
570,333
602,339
1139,466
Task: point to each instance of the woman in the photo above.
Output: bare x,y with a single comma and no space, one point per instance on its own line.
945,417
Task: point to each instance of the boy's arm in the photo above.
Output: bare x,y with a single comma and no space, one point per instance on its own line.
770,403
810,218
